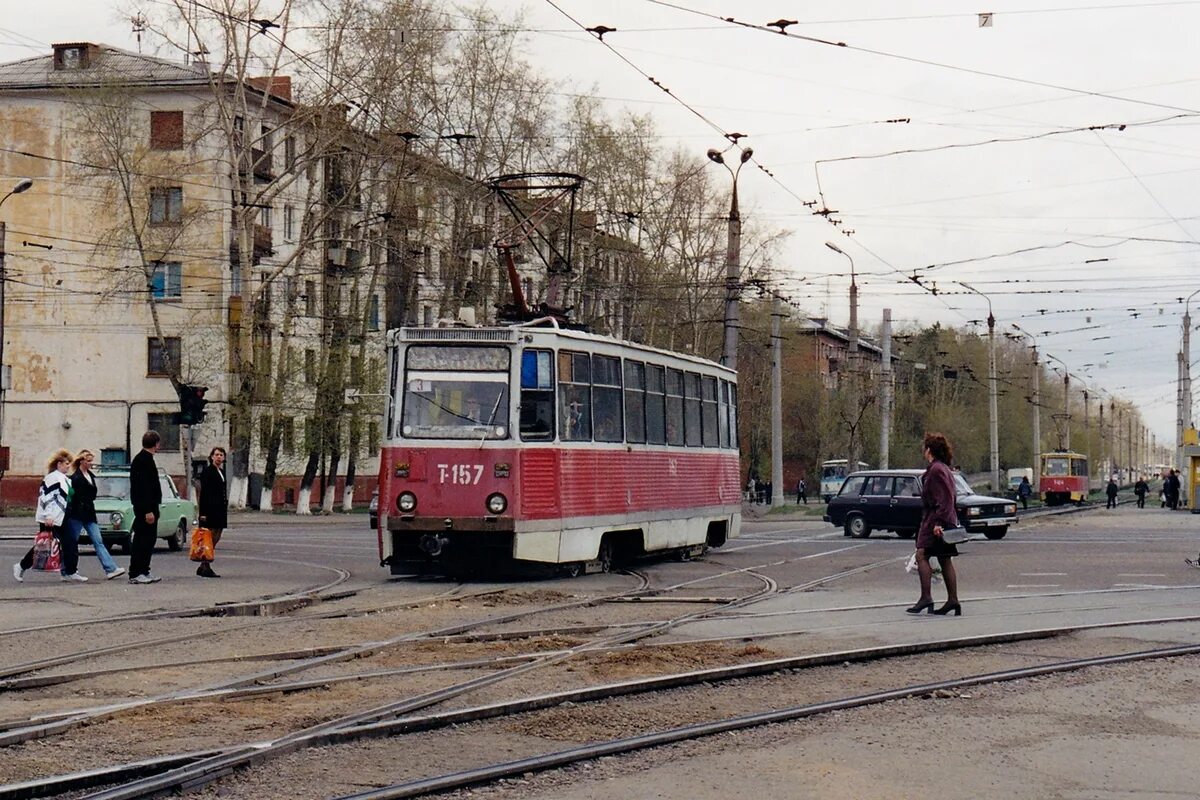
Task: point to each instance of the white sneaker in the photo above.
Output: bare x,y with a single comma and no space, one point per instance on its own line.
144,579
116,573
75,576
153,578
18,573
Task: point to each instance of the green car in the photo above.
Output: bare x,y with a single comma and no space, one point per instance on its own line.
114,510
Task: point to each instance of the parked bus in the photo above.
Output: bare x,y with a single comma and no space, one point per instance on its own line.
833,475
1064,478
535,445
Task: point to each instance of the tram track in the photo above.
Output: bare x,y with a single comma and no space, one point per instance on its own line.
213,764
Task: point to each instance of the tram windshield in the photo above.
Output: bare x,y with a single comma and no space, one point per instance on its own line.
455,393
1056,467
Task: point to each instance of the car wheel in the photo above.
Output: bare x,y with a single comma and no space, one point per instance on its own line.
996,533
857,527
178,539
906,534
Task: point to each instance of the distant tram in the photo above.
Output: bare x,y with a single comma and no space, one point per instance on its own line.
535,445
833,475
1064,478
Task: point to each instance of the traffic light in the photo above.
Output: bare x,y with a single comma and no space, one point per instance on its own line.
191,404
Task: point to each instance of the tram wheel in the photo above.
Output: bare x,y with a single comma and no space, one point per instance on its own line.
605,557
573,570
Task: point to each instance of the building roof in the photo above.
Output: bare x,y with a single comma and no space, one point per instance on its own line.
817,326
108,65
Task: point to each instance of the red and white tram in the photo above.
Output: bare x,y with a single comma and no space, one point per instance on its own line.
538,445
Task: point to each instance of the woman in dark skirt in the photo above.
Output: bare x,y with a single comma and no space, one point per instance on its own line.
938,495
214,504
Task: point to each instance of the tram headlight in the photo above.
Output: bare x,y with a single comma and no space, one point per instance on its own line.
406,502
496,503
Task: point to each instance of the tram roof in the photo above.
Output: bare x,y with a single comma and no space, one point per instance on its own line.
509,334
1064,454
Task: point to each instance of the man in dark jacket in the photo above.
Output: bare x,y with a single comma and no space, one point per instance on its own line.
145,492
1111,491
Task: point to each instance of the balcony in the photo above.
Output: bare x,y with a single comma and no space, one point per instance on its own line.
258,163
263,245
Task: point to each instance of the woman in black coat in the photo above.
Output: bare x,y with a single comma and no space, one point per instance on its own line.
214,504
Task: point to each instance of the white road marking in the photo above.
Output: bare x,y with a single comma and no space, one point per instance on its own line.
1141,574
1033,586
1043,574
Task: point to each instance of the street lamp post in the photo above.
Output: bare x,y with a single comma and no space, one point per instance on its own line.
993,414
1183,394
852,361
733,258
1035,400
22,185
1066,412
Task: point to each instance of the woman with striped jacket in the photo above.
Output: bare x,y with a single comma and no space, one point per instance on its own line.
54,496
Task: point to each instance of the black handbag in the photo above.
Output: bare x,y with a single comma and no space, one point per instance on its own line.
955,535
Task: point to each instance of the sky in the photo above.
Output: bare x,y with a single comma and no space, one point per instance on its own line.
1047,161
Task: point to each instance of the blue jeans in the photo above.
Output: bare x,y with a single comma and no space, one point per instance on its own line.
75,527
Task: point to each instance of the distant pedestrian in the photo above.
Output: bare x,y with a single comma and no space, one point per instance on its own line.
1141,488
769,493
81,516
938,497
214,504
802,492
1171,489
145,492
1024,491
1111,491
54,496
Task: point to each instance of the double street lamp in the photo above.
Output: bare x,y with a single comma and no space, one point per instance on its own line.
852,362
733,258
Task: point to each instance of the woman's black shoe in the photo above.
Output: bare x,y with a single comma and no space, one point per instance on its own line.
919,607
948,608
205,570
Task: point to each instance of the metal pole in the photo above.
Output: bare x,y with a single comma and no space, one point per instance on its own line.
885,390
777,488
1037,420
852,359
3,284
1067,404
733,278
993,414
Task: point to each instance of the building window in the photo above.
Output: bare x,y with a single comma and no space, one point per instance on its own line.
373,440
235,279
167,429
114,457
167,281
288,440
289,152
264,217
310,367
356,371
427,316
373,313
264,433
161,356
289,223
166,130
166,204
310,298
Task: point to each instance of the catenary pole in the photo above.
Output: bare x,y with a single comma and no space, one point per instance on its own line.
777,488
885,389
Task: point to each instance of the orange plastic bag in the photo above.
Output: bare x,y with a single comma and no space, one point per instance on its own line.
202,545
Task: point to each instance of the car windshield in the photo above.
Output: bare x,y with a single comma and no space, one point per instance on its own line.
961,486
115,486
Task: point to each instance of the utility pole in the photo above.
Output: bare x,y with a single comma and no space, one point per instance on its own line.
1103,442
733,260
777,487
1067,403
885,390
993,414
855,416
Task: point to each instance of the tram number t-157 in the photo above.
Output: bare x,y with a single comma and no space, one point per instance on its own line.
460,474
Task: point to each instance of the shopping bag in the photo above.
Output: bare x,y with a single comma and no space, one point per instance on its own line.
911,566
202,545
47,555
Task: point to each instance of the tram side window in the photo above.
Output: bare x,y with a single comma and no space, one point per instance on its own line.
537,395
691,409
574,397
1079,467
708,416
723,415
733,420
656,408
635,402
674,406
606,398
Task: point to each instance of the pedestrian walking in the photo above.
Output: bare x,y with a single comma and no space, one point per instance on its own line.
1141,489
54,496
1111,491
81,516
1024,491
1171,490
146,494
802,492
938,497
214,504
